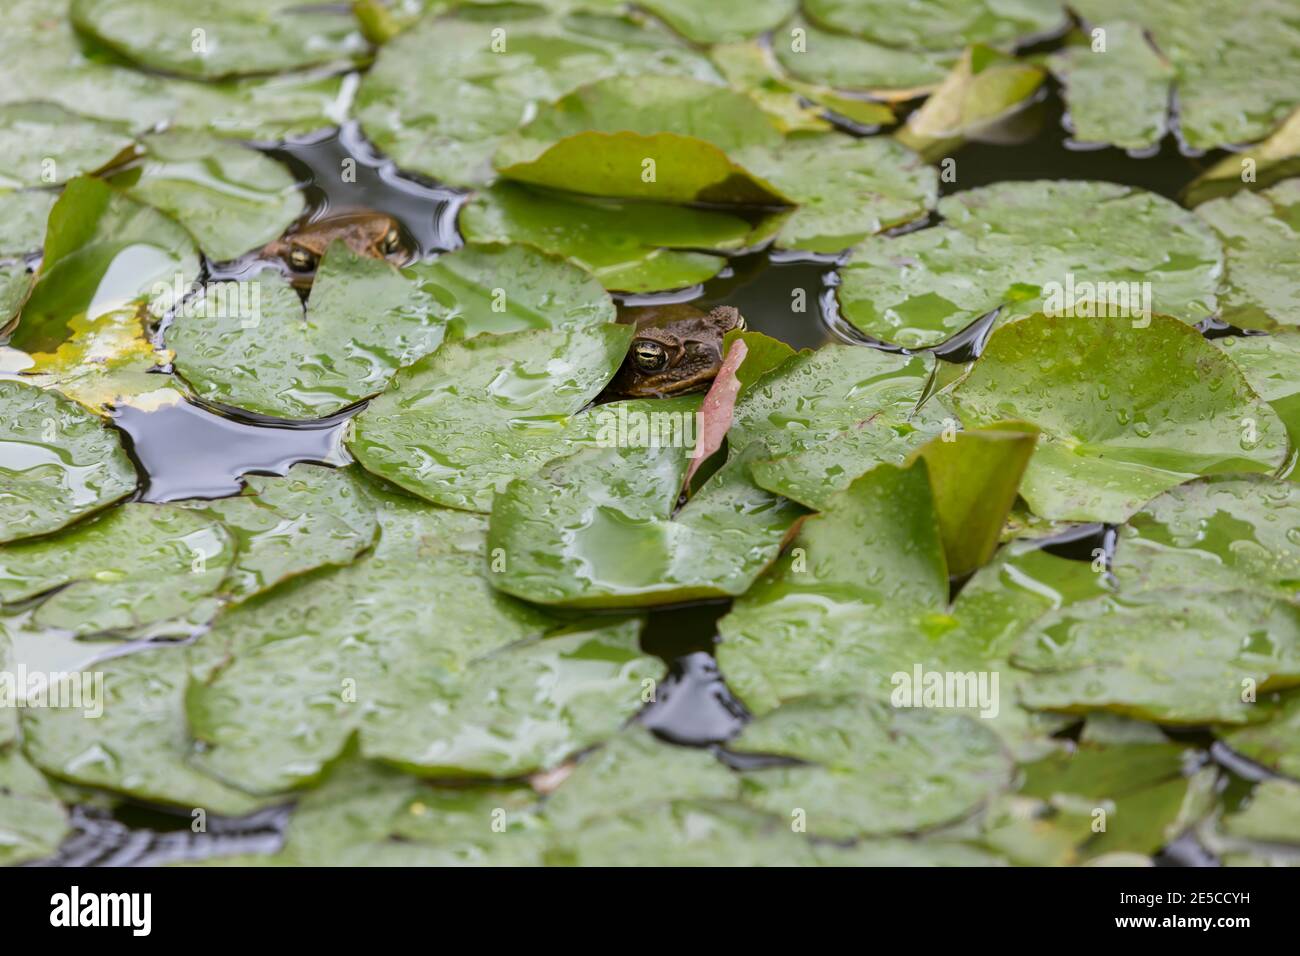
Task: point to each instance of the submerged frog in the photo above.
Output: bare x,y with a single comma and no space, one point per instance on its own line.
366,233
677,349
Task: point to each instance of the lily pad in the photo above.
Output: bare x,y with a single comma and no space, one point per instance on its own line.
213,39
1225,533
628,246
456,426
975,477
1270,161
1119,94
1272,816
137,568
599,529
366,814
823,418
1274,744
659,138
1125,412
441,95
32,821
847,62
277,359
1270,363
140,745
636,770
423,674
1003,247
1175,656
685,833
845,188
60,462
103,251
44,144
939,24
983,88
872,770
1261,285
229,197
284,527
1223,97
107,362
723,21
23,214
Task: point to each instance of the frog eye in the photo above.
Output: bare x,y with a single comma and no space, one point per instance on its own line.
741,324
301,260
392,240
649,356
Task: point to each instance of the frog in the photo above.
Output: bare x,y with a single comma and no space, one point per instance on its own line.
367,233
676,350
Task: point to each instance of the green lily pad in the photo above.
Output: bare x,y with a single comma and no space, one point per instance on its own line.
442,95
301,682
138,568
456,426
1276,743
872,770
685,833
599,529
279,360
32,821
1261,286
1272,816
60,463
983,88
229,197
284,527
658,138
43,58
212,39
366,814
1270,161
901,851
938,24
1003,246
845,188
860,596
103,252
1117,95
1174,656
628,246
139,746
22,221
1225,533
45,144
823,418
975,478
847,62
724,21
636,770
1223,97
1125,412
1270,364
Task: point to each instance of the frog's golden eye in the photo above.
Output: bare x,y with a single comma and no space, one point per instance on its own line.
649,356
301,260
392,240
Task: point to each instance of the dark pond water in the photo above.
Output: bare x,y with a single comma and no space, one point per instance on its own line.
192,451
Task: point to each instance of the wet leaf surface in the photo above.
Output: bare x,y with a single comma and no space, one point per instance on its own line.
457,426
60,462
1000,246
46,144
1125,412
600,528
32,820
